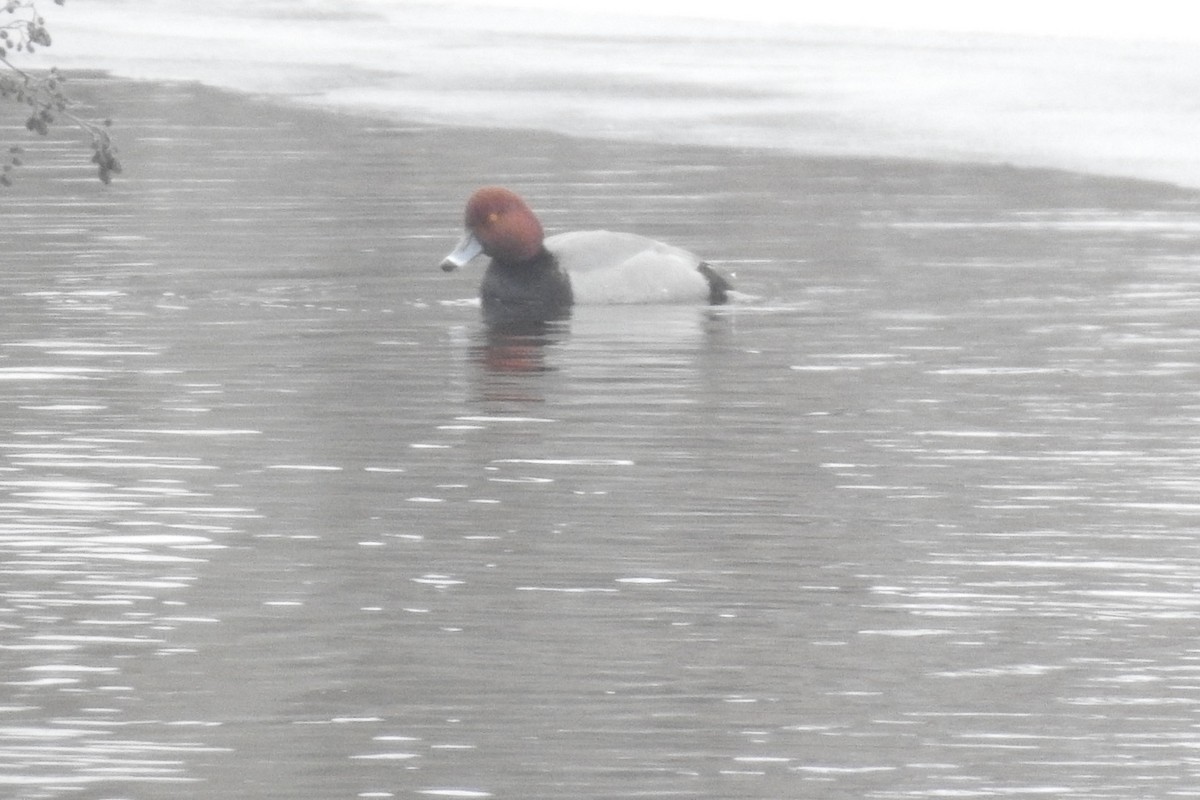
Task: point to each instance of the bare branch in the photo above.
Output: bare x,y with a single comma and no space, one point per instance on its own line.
23,32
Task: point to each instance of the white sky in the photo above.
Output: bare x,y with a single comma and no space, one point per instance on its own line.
1146,19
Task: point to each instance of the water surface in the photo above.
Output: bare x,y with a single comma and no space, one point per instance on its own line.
282,520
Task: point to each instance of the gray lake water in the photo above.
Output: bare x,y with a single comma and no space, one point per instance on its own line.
280,519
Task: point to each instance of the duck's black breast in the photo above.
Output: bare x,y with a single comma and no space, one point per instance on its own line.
531,290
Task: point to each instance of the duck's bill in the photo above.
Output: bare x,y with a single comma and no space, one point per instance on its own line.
464,251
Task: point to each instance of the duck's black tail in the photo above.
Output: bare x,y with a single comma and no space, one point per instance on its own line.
718,286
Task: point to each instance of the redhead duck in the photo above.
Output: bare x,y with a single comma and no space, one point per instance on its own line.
531,276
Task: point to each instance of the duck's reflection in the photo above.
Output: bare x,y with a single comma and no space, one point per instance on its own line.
518,347
594,343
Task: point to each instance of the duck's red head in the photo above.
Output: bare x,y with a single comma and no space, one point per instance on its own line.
506,227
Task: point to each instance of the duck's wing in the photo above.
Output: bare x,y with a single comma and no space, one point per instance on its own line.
608,267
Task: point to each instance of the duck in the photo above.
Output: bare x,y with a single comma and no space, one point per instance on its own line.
532,276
